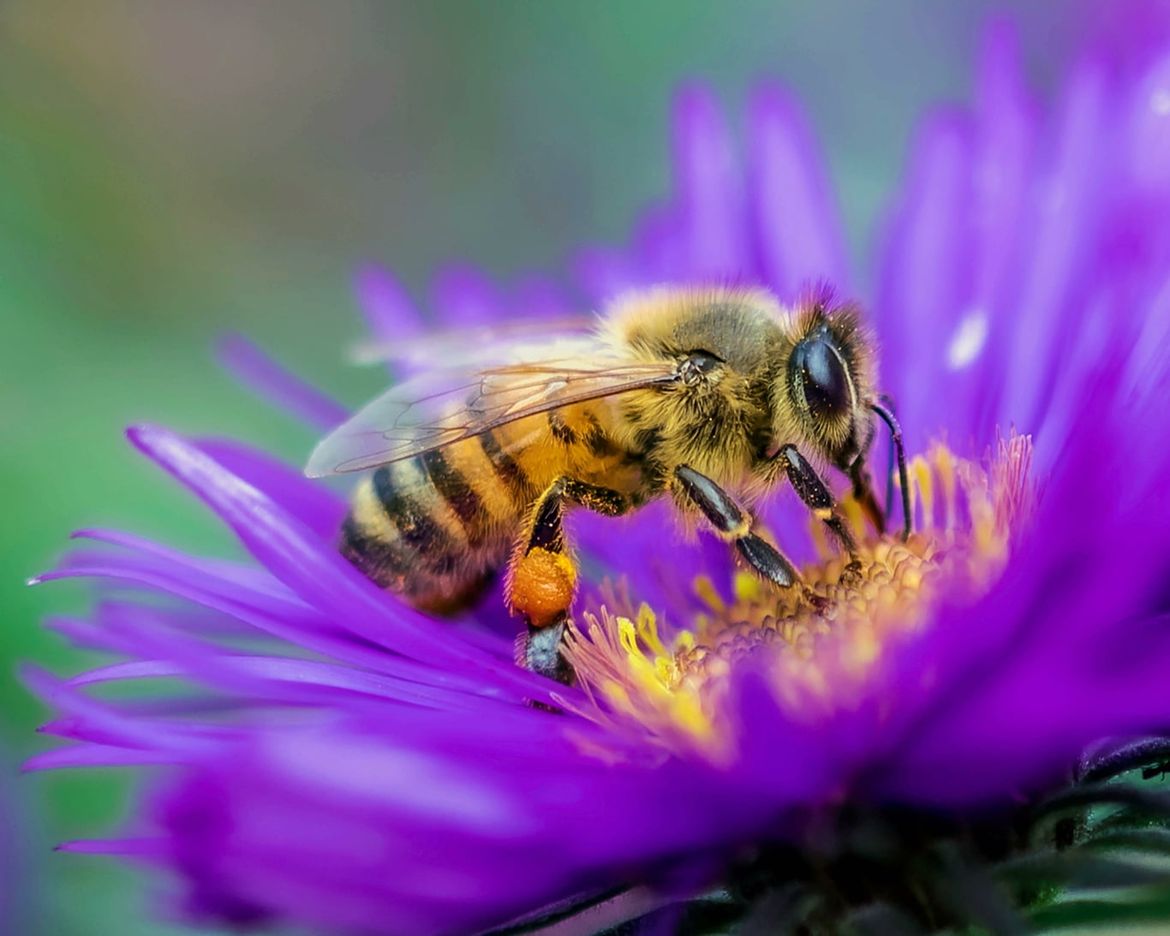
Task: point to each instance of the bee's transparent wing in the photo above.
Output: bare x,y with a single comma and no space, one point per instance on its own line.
466,346
440,408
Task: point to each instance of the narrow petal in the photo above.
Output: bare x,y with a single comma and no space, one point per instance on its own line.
312,503
299,627
1061,224
797,225
464,297
96,755
537,296
708,190
389,312
119,846
87,719
315,571
603,273
253,368
1006,125
925,277
659,247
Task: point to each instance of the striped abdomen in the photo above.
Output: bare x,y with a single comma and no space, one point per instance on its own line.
437,526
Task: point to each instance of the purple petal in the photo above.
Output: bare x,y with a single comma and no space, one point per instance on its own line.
464,297
1040,650
708,190
273,383
96,755
310,502
660,248
475,826
536,296
119,846
795,218
926,275
1062,218
1148,128
87,719
389,312
1005,132
298,625
315,570
604,273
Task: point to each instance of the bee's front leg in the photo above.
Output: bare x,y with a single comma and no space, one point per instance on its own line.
734,524
542,577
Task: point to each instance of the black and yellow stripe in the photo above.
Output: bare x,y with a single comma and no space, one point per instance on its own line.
453,487
435,526
506,467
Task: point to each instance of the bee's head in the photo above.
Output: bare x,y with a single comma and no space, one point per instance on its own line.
828,380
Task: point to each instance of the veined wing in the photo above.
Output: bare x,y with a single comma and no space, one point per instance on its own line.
440,408
508,341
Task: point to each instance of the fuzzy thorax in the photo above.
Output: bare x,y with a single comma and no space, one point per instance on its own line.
819,644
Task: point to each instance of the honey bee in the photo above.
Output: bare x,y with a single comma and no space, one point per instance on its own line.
708,397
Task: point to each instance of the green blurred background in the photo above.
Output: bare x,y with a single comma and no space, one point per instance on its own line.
172,169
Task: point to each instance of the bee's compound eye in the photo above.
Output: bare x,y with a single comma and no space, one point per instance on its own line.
819,372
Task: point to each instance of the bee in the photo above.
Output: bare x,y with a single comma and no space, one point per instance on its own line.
710,398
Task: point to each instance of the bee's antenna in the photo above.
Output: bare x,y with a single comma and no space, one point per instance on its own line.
887,416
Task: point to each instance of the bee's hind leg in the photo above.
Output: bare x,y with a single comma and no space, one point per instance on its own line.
542,577
539,649
734,524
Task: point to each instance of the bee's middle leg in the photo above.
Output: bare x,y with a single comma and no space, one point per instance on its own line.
542,577
734,524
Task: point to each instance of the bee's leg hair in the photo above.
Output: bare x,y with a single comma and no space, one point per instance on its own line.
735,525
542,577
816,496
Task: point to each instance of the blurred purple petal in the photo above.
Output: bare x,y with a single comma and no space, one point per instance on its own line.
388,310
926,287
797,225
269,380
463,297
604,273
708,189
1065,211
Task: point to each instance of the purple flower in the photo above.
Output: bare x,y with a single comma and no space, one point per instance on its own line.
328,757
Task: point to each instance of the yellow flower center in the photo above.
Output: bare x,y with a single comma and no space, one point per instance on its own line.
818,643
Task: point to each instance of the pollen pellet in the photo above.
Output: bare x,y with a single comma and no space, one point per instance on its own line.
542,588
